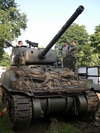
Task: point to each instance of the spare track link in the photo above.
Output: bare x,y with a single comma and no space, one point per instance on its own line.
20,111
93,102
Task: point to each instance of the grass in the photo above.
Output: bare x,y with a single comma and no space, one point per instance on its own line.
4,123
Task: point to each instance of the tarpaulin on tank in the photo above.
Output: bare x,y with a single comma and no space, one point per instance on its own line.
64,81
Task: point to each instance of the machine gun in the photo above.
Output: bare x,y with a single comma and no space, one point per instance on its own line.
8,43
33,44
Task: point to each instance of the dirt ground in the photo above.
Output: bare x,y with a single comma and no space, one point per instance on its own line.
80,125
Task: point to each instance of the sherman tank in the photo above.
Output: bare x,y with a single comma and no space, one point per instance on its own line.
35,85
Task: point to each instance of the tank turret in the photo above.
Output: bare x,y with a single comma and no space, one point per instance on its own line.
30,56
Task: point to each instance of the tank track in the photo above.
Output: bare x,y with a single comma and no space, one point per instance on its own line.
19,110
92,102
92,106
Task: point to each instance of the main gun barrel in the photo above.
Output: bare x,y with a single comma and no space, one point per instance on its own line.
62,30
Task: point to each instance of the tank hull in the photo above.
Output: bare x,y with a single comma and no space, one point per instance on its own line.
32,93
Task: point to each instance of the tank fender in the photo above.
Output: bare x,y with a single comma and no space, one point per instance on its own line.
7,78
94,87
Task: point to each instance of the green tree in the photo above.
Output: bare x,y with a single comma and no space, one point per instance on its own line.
5,61
95,40
12,22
